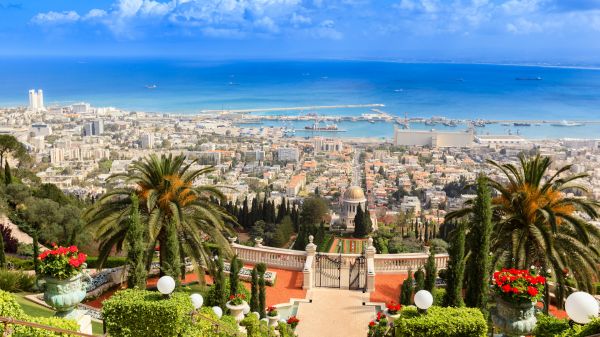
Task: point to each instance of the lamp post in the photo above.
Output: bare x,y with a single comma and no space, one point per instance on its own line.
166,285
581,308
423,300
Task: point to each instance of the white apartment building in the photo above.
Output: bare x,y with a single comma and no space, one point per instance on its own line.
288,154
36,100
147,141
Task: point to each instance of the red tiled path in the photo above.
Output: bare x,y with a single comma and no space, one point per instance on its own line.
288,284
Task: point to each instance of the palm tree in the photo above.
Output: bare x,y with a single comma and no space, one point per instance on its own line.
537,223
167,196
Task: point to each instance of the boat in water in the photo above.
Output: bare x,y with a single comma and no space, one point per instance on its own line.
567,124
150,86
317,127
521,124
528,78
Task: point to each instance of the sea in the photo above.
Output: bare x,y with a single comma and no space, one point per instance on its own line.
455,91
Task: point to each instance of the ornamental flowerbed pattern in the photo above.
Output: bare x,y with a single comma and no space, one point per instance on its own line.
518,286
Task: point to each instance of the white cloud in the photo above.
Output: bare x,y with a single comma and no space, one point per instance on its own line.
266,24
523,26
95,14
299,20
56,17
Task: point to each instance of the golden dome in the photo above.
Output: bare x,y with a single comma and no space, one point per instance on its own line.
354,193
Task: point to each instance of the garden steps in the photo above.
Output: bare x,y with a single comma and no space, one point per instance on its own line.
334,312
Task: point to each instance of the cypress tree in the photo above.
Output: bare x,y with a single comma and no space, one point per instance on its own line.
219,280
136,277
262,291
430,271
254,213
2,255
407,290
360,229
478,267
7,173
172,258
234,271
245,221
36,250
368,222
456,268
254,301
419,279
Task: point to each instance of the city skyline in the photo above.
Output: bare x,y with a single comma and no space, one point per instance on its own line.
413,30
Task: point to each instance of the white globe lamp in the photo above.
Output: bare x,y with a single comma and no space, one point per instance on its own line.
197,300
166,285
423,299
255,313
218,311
581,307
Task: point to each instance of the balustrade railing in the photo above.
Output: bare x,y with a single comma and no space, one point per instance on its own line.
392,263
272,257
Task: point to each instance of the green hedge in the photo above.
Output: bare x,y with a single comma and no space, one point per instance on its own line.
256,328
10,308
16,280
549,326
111,262
204,328
441,322
19,263
142,313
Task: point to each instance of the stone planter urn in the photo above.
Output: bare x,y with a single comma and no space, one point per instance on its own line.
273,320
237,311
64,295
392,318
515,319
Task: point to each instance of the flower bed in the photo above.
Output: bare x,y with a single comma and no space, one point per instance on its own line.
245,274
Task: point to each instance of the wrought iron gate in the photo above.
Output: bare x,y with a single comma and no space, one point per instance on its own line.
327,271
358,274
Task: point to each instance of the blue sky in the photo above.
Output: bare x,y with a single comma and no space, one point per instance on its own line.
439,30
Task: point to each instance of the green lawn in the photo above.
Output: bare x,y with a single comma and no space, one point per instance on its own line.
33,309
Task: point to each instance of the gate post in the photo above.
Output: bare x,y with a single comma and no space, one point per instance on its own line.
307,271
370,254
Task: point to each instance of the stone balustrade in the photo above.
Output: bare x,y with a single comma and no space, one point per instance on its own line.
272,257
303,260
394,263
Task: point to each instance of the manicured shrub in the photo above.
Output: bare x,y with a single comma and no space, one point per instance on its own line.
549,326
111,262
18,263
205,328
254,291
10,308
142,313
441,322
16,280
212,298
256,328
438,296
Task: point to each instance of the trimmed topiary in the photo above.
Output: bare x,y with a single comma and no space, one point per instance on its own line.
441,322
137,313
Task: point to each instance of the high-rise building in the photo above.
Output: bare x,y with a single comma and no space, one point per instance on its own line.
32,100
147,141
36,100
93,128
288,154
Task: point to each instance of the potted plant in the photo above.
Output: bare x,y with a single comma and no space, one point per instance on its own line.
293,322
516,293
379,326
273,316
393,310
62,270
236,305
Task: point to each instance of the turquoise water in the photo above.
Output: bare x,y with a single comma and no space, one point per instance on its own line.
468,91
